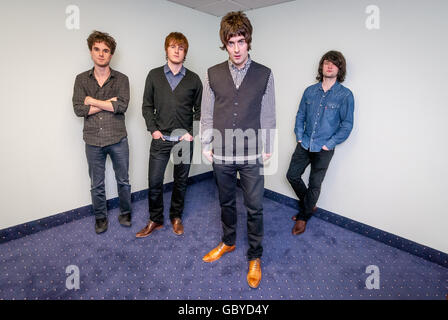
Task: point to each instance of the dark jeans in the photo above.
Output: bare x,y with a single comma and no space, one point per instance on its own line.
158,159
252,183
319,164
96,158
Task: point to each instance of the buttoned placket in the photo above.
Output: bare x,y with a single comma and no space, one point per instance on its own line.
320,109
101,91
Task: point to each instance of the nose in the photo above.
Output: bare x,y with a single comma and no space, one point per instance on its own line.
236,48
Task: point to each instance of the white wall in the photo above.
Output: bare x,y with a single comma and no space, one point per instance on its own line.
44,168
391,173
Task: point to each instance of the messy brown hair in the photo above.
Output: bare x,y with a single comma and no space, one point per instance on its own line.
98,36
338,60
235,24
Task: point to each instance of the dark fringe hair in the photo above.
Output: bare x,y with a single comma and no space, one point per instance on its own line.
235,24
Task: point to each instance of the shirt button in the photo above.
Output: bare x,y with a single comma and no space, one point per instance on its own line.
236,103
235,114
101,128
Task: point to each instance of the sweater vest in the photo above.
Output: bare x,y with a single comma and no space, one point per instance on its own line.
236,113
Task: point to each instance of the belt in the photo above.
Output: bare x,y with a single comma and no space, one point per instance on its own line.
170,138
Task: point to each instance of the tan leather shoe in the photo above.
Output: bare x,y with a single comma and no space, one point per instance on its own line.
178,228
254,274
217,253
146,231
299,227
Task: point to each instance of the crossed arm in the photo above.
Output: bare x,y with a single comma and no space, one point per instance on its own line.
99,105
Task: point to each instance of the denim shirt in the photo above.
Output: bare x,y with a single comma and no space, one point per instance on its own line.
324,118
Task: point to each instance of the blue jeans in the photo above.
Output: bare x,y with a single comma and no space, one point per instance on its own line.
96,158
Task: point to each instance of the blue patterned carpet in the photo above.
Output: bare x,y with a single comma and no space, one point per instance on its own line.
326,262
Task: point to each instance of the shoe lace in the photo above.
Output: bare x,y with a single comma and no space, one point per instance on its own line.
255,265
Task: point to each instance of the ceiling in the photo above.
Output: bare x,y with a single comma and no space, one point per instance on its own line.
220,7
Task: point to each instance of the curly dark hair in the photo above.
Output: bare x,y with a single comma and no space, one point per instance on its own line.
338,60
98,36
235,24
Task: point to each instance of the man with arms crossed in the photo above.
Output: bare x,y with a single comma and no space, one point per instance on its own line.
171,101
324,120
101,97
239,97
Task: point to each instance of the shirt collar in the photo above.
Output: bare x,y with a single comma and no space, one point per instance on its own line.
112,72
333,87
167,69
246,66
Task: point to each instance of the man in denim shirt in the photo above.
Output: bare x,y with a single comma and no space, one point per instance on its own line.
324,120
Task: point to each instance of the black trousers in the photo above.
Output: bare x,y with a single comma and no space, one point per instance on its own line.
252,184
159,156
308,196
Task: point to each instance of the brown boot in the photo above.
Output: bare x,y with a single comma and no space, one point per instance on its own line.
146,231
217,253
299,227
178,228
254,274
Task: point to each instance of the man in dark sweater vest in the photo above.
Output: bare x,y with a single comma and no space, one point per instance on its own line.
171,101
238,117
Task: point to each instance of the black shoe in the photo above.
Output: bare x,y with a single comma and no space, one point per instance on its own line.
101,225
125,219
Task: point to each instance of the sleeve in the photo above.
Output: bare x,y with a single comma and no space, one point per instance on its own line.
197,104
299,126
148,105
79,95
267,116
206,124
346,114
121,105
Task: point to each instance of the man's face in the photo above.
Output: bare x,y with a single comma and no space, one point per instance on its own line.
329,69
175,53
238,52
101,54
